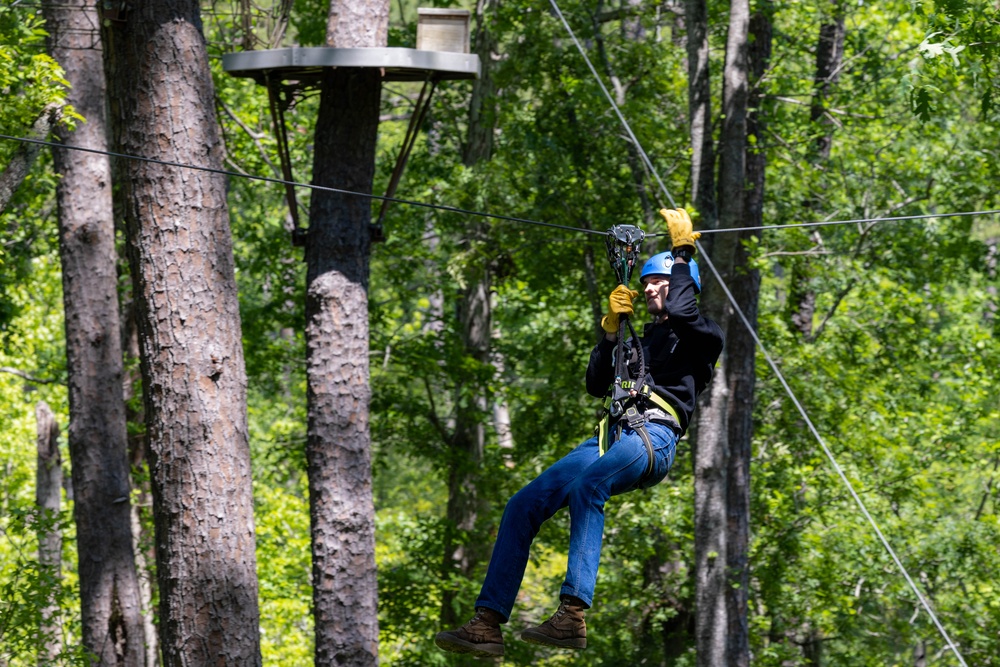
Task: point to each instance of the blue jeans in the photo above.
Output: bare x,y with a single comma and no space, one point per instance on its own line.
583,481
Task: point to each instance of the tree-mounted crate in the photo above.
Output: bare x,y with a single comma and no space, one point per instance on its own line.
442,30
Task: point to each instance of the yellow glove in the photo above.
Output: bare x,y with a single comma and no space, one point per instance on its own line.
680,228
619,303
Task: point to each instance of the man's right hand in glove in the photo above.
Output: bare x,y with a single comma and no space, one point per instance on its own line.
682,234
619,303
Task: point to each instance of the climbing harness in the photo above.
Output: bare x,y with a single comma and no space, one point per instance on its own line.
628,397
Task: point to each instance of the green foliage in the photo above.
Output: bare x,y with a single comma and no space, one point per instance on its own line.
30,80
31,343
283,571
898,372
894,301
27,589
959,53
916,456
28,240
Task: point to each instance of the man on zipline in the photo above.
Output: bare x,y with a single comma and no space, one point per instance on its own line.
634,450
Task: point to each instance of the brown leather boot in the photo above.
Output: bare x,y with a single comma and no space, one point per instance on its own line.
481,636
566,628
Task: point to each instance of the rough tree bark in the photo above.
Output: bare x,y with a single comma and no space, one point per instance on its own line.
48,490
711,448
109,588
742,353
706,462
631,28
829,60
194,378
342,512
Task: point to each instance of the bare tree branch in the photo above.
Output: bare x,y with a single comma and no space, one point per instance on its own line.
28,377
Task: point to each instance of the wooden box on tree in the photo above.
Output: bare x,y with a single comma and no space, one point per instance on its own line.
443,30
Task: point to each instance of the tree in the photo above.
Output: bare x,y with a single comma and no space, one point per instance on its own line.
345,591
194,381
959,51
899,375
829,63
48,498
700,112
34,95
742,348
712,431
20,163
829,57
466,440
109,587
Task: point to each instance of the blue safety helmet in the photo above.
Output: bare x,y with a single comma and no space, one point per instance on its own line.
660,265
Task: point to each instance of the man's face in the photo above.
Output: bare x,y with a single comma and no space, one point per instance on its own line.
655,289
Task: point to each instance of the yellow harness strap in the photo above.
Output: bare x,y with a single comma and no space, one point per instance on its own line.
603,428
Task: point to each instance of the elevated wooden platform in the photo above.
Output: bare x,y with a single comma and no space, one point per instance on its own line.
305,64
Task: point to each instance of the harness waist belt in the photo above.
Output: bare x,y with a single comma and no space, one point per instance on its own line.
662,404
658,415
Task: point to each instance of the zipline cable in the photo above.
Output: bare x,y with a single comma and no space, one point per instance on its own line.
311,186
826,223
611,100
923,601
481,214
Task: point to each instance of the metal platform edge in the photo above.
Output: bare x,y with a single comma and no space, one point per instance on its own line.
400,64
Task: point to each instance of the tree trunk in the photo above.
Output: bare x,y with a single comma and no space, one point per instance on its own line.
742,355
48,490
194,377
20,163
465,500
479,145
700,115
812,649
142,520
594,296
345,588
708,460
465,478
109,590
712,445
710,468
992,253
829,57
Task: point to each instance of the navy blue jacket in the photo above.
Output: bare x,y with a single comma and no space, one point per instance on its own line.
680,352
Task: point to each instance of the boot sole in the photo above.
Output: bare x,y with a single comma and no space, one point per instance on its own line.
535,637
455,645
